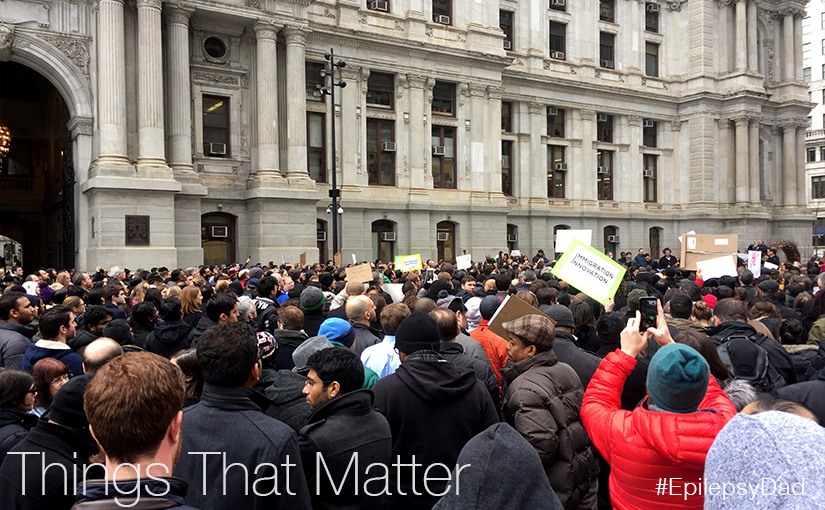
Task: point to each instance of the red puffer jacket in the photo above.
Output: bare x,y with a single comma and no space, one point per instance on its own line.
644,447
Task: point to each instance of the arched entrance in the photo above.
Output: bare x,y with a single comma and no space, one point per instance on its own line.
218,238
37,175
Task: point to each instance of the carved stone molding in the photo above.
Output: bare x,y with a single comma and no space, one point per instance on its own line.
587,115
535,108
295,35
476,90
76,50
266,31
375,113
215,78
363,77
494,92
674,5
176,14
634,120
676,125
81,126
416,81
6,41
328,13
151,4
402,83
255,4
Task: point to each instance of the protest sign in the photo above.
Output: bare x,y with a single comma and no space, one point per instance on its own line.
515,253
304,259
754,262
337,259
590,271
511,309
463,261
360,273
283,260
565,237
408,262
354,260
698,247
718,267
394,290
770,265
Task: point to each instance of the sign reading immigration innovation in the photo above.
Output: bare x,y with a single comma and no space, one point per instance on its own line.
590,271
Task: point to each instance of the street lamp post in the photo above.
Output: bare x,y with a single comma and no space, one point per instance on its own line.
334,192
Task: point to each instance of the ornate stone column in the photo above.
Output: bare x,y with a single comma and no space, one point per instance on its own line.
493,137
586,179
801,177
420,159
111,88
266,34
537,172
789,170
741,35
742,167
788,47
753,51
179,89
151,137
753,162
296,37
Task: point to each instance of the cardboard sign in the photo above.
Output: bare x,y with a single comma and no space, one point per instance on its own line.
699,247
394,290
408,262
590,271
337,259
463,261
718,267
755,262
360,273
511,309
304,259
565,237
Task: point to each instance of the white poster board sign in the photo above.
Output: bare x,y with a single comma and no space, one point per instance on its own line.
755,262
718,267
394,290
515,253
463,261
565,237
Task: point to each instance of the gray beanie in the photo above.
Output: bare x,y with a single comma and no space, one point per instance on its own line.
562,315
308,347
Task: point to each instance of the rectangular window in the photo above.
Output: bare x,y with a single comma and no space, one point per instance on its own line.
314,81
506,117
380,90
604,176
558,42
604,125
555,122
822,153
557,5
381,152
823,46
652,17
806,74
507,167
823,93
378,5
606,42
443,141
216,126
316,148
443,11
811,155
556,171
651,59
818,187
650,131
649,177
823,21
607,10
444,99
505,22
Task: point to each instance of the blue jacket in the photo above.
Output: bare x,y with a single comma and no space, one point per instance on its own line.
115,312
51,349
158,488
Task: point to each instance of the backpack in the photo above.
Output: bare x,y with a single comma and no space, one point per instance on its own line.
750,362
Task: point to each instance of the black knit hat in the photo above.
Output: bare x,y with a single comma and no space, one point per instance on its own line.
417,332
67,407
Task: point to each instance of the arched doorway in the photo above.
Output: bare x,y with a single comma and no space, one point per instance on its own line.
383,240
655,235
36,174
445,240
218,238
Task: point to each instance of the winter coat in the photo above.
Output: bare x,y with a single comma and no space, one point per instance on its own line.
289,404
452,352
777,354
231,421
14,340
472,347
331,432
169,338
583,362
542,403
644,446
203,324
114,311
101,494
14,426
82,338
140,333
51,349
811,393
588,339
312,321
364,337
635,387
192,318
288,341
53,444
686,324
433,408
494,346
504,472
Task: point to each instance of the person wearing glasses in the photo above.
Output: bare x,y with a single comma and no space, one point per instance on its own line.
17,394
49,376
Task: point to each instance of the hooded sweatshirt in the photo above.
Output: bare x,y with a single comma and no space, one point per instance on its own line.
169,338
433,408
505,472
289,404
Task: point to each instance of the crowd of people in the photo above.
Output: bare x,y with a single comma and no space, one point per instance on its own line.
263,386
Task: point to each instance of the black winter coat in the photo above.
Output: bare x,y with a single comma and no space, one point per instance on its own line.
82,338
288,341
777,354
203,324
568,351
140,333
810,393
312,322
14,427
289,404
169,338
14,340
454,353
339,429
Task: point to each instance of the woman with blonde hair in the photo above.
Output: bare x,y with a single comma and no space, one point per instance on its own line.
76,304
139,292
62,281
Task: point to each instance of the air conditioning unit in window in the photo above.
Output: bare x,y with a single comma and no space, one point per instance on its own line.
220,231
601,117
557,3
512,238
379,5
508,45
217,149
558,55
440,18
607,63
387,146
561,167
320,236
613,239
603,170
438,150
648,123
652,7
388,236
442,237
647,173
552,110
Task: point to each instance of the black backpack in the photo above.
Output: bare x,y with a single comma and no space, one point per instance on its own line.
750,362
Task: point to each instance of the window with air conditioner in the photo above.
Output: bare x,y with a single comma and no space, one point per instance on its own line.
505,22
316,146
443,158
652,17
442,237
604,176
558,40
442,11
555,122
216,126
512,238
607,42
650,132
379,5
380,90
381,152
388,236
320,236
557,5
607,10
604,127
649,171
556,170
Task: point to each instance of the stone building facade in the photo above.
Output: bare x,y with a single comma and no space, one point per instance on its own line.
198,130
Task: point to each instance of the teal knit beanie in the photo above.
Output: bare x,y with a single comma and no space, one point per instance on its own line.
677,378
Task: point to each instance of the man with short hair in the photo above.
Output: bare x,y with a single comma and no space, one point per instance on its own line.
772,257
113,296
640,258
90,328
266,305
343,426
229,411
382,357
174,334
667,259
222,308
289,335
471,346
746,278
361,313
16,310
337,308
100,352
542,402
57,326
681,309
148,390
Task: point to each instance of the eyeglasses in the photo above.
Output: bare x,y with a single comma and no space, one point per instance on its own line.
62,378
32,390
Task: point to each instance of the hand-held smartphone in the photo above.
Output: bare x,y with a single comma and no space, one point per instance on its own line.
430,276
649,311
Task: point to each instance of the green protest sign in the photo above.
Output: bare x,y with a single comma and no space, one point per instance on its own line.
590,271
